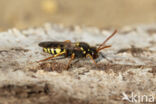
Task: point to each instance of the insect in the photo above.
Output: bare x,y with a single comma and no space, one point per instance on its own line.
73,50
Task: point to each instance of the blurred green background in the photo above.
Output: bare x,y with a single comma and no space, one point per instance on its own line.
100,13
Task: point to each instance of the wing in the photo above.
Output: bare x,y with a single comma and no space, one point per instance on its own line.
50,44
56,44
63,45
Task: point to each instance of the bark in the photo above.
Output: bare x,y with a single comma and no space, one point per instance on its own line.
128,67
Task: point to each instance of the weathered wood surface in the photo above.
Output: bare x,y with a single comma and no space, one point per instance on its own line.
129,66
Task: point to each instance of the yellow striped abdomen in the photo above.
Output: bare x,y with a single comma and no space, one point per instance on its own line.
53,51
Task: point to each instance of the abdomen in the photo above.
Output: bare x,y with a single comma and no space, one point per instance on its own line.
53,51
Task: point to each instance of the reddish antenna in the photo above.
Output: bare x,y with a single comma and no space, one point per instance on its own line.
102,46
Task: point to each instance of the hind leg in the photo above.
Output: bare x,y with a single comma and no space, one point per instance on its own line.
52,57
72,57
67,41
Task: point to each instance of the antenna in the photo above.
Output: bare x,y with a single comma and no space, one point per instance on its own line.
102,46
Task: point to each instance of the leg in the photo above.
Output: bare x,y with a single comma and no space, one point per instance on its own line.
103,56
67,41
51,57
92,59
72,57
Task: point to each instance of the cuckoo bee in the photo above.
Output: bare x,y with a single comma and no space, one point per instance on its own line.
73,50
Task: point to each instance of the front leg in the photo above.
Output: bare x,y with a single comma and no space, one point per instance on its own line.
92,59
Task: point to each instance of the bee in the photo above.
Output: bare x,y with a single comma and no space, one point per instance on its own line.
73,49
